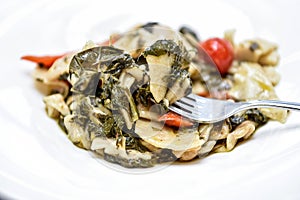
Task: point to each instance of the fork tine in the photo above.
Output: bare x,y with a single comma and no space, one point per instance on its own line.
191,103
193,106
184,105
187,101
195,114
192,96
184,113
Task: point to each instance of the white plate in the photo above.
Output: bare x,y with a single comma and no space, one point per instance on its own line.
38,162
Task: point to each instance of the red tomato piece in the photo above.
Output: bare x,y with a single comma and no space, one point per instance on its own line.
221,52
173,119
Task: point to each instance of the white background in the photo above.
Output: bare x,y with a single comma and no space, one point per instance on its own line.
38,162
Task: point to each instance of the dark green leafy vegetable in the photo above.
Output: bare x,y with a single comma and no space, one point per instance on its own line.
95,59
179,84
178,74
100,59
83,116
119,99
141,60
104,92
132,141
99,69
143,95
122,99
163,155
118,64
119,123
252,114
161,47
129,163
256,116
109,126
87,84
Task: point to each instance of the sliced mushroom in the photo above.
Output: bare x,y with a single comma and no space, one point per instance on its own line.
55,103
245,129
179,89
257,50
219,135
275,114
133,41
147,113
272,75
73,100
126,80
270,59
49,81
251,83
53,86
136,40
139,74
76,133
87,83
205,131
167,138
206,148
59,68
126,117
190,154
159,70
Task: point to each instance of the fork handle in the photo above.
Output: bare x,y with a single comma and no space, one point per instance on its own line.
273,104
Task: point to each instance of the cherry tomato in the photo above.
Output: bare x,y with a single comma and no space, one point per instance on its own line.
221,52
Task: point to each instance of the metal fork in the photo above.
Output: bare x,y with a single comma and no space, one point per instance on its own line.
208,110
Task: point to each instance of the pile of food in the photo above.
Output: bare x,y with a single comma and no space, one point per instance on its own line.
112,98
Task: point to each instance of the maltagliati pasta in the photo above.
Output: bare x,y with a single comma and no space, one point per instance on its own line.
112,98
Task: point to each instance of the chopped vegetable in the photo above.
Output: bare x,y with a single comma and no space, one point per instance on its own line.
250,83
159,69
168,138
173,119
43,61
166,61
220,51
259,51
48,60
